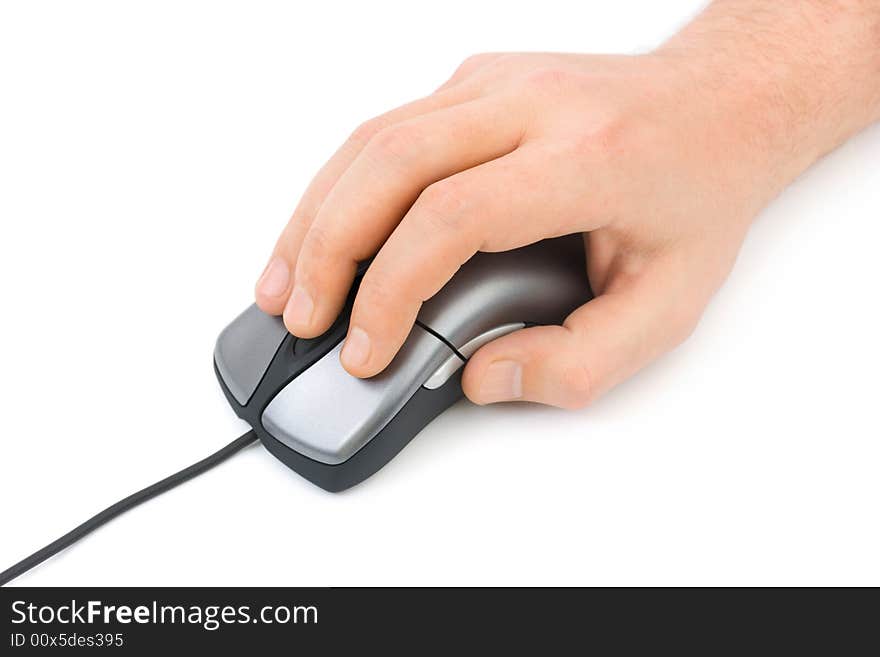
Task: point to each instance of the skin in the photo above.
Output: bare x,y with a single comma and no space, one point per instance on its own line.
661,160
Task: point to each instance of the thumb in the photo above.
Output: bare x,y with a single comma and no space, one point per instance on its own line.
600,344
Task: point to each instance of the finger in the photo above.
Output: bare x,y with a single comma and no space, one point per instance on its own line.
468,67
489,207
273,287
599,345
377,190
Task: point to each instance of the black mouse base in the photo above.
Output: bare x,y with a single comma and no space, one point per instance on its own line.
422,407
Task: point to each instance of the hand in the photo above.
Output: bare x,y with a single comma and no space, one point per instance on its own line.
660,168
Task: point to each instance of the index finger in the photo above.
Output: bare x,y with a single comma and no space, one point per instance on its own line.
274,286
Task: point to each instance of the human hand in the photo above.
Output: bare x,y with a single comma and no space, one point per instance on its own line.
659,162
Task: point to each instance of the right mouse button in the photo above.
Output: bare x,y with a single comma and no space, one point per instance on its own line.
452,364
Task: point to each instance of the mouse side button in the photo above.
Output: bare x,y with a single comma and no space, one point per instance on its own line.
452,364
245,349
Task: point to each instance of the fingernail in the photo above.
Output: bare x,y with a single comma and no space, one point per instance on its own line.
501,382
357,348
299,307
275,278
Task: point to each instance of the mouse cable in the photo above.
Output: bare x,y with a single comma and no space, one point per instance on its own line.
122,506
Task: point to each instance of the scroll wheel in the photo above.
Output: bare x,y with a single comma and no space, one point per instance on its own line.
304,345
452,364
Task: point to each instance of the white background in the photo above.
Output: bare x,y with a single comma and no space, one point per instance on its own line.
149,155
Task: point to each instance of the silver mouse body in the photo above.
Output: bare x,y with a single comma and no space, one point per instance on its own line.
337,430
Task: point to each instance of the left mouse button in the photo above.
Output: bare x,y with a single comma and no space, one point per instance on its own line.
245,349
328,415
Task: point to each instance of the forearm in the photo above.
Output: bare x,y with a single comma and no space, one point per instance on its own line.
795,78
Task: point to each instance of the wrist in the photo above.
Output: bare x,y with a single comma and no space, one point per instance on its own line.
789,81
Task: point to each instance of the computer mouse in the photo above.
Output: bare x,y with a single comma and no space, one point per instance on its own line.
335,429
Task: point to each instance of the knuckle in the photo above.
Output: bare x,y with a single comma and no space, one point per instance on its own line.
550,80
442,206
362,135
317,243
507,60
470,63
613,133
478,61
473,62
304,216
673,324
377,291
395,144
577,385
484,57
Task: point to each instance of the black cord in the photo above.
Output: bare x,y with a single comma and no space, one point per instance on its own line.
122,506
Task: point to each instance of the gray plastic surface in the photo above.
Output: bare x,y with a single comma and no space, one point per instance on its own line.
327,414
452,364
245,348
539,284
